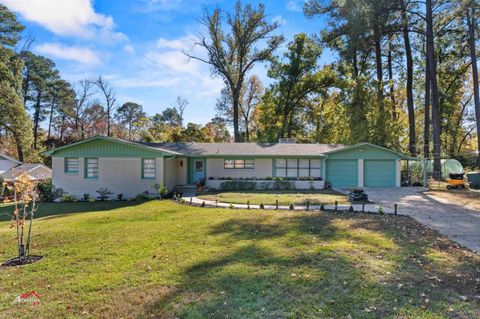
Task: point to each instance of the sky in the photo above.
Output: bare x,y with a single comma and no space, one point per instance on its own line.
137,45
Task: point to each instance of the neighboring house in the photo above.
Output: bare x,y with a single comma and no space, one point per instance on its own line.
7,162
131,168
36,172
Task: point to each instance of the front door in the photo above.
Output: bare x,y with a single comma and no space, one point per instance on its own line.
198,170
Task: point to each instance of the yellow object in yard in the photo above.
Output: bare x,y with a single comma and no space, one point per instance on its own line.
455,183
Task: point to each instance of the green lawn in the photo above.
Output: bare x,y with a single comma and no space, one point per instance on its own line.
164,260
287,197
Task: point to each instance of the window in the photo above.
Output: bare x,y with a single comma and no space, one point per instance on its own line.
248,163
71,165
148,168
91,168
298,168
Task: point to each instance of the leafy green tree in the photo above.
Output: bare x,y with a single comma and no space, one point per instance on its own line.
297,78
40,74
13,116
233,55
130,114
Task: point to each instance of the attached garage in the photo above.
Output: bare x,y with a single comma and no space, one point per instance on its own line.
362,165
342,172
379,173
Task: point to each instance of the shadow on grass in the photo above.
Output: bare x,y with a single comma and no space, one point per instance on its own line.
320,265
55,210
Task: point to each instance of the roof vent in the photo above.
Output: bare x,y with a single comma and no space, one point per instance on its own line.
286,140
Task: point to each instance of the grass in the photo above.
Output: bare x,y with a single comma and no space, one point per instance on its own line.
287,197
164,260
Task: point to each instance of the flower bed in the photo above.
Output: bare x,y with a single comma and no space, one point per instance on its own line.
264,184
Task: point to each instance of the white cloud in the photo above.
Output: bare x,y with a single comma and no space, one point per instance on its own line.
294,5
129,48
79,54
167,66
279,19
67,17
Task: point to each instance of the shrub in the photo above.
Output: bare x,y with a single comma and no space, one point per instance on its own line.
162,191
119,197
103,194
237,185
86,197
48,192
262,206
291,207
203,204
142,197
322,208
92,200
350,209
68,198
380,210
231,206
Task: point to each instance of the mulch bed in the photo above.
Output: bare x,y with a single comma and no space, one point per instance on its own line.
20,262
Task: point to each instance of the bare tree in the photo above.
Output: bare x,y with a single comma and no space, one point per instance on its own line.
251,98
232,55
110,99
83,94
180,105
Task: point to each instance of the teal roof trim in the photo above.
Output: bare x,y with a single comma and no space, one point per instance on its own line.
112,140
400,154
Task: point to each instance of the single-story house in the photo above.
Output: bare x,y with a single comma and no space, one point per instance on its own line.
130,168
36,172
7,162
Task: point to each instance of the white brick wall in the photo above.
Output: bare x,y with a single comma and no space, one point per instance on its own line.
119,175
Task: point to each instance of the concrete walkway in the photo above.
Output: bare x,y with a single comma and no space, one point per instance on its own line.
451,219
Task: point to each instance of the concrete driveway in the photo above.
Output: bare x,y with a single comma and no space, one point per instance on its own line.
452,219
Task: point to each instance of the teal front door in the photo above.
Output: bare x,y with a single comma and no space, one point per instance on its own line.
342,173
198,170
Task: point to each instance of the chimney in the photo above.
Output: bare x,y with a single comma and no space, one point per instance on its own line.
286,141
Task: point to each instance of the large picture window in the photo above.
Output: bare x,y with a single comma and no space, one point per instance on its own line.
91,168
239,163
298,168
71,165
149,168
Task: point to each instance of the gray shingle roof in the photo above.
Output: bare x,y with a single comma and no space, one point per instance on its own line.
35,171
247,149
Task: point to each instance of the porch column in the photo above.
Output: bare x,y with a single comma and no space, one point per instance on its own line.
398,173
324,169
360,172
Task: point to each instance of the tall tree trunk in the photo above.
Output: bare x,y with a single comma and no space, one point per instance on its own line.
391,83
473,57
36,119
410,103
108,120
19,148
62,127
50,120
426,130
236,104
432,67
378,60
